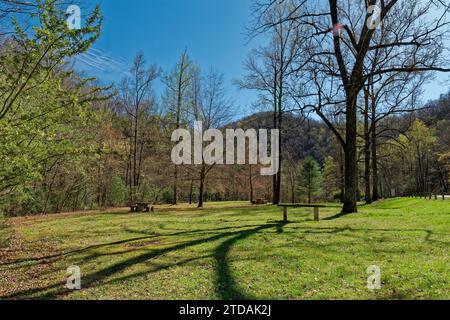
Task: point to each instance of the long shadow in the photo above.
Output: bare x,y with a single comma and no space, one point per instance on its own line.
225,284
93,278
129,240
336,216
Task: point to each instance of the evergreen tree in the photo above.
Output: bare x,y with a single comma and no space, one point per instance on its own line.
310,178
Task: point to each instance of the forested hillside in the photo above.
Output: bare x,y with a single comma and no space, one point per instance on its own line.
68,144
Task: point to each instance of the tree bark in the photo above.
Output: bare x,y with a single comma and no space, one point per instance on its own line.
351,164
275,126
190,191
202,186
279,127
375,192
251,185
367,168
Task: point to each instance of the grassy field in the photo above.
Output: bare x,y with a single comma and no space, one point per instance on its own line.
231,251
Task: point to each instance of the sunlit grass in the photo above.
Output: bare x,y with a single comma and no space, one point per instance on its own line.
232,251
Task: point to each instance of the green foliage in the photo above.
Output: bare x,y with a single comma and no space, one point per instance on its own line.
330,178
44,109
167,195
416,146
309,178
116,192
149,192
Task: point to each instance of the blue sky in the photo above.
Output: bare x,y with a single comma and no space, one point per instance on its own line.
211,30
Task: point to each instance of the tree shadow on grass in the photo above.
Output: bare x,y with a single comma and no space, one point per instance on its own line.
336,216
223,274
13,264
225,284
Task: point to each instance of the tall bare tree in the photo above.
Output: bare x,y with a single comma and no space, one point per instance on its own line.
213,108
178,83
137,100
341,35
269,71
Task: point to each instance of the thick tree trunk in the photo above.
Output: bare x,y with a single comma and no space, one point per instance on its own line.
375,178
367,168
351,164
367,172
342,174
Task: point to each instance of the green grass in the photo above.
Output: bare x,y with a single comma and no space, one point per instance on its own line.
231,252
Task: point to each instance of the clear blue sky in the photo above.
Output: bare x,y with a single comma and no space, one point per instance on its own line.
211,30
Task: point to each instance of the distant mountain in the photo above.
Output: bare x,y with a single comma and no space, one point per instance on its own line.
300,136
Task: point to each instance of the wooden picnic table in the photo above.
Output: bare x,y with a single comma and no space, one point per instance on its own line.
140,207
285,207
260,201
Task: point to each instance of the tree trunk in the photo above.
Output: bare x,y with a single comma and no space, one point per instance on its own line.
275,126
342,173
135,143
190,192
375,192
368,196
202,185
292,190
175,186
251,185
177,126
279,126
351,164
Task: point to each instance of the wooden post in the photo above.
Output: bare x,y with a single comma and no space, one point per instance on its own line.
285,215
316,214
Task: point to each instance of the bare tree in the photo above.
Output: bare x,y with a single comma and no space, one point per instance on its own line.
137,100
178,83
341,36
269,70
213,108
